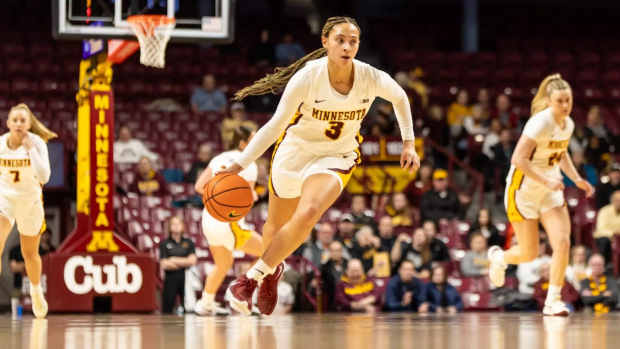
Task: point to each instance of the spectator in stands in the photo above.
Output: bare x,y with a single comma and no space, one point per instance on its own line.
569,294
421,184
475,261
384,119
527,273
436,128
365,247
491,138
230,124
599,291
208,97
504,113
204,156
148,182
443,297
361,214
16,259
346,230
503,153
577,269
458,111
176,254
128,150
474,123
355,292
484,225
441,202
420,90
400,210
595,126
607,225
608,185
586,170
316,252
331,272
288,51
439,250
484,102
386,234
263,54
416,250
405,292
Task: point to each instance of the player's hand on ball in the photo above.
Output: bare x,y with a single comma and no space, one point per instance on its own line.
27,142
585,186
409,159
235,168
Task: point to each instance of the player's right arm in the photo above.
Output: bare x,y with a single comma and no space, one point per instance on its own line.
536,127
291,101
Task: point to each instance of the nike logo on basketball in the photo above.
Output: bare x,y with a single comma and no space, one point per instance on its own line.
233,214
365,100
319,100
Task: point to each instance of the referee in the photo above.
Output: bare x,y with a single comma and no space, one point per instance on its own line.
176,254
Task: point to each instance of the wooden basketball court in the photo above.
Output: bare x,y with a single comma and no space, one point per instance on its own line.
340,331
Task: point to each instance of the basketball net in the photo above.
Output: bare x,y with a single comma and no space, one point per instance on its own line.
153,32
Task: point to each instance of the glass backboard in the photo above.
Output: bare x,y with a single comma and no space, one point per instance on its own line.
196,20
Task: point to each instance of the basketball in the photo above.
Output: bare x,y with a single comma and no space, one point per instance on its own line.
227,197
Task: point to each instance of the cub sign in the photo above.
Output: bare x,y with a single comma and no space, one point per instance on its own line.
116,275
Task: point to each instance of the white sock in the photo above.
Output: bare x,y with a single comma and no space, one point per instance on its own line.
498,256
35,288
259,271
208,297
553,294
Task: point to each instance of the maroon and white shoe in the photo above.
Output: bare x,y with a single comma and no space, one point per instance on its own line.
268,291
239,294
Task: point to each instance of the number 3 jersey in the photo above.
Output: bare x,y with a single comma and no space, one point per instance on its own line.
312,114
22,175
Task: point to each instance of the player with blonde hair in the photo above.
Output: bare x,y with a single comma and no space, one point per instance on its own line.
24,169
534,189
326,96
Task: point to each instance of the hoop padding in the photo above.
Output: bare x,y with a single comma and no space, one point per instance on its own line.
153,32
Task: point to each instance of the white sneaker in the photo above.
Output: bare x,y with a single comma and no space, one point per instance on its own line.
39,304
556,308
206,308
497,269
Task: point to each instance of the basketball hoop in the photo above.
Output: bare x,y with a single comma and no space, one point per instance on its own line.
153,32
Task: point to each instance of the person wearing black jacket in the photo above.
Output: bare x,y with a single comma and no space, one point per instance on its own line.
485,226
439,250
604,190
406,293
441,202
331,272
599,291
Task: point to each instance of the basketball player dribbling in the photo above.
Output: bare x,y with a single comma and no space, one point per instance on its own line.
224,237
326,95
24,169
534,189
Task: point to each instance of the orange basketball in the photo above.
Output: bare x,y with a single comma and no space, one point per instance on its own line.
227,197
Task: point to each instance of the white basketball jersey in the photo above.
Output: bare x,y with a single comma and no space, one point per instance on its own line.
228,158
17,175
551,141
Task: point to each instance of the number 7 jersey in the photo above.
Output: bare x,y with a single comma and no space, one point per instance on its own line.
17,174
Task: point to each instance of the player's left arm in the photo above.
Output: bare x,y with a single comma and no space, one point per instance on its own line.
390,90
567,166
39,158
202,180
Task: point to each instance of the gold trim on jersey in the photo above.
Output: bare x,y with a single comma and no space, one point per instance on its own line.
512,211
241,235
294,120
345,175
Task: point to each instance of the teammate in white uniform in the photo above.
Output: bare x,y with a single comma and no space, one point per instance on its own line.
223,237
24,169
326,97
534,189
